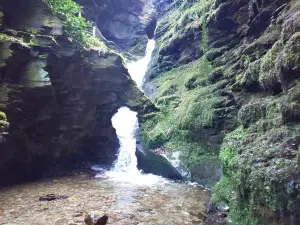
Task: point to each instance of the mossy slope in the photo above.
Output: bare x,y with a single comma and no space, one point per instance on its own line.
241,85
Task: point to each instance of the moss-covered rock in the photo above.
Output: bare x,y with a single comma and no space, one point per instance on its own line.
251,112
291,25
269,73
3,116
3,121
258,176
291,56
250,79
1,18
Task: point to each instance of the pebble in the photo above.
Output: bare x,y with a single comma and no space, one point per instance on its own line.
78,214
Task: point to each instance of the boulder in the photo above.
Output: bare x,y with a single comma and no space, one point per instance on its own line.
151,162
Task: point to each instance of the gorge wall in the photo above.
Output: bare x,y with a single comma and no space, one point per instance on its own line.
225,75
56,99
127,24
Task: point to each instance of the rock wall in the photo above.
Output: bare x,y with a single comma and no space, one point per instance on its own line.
126,23
225,76
58,99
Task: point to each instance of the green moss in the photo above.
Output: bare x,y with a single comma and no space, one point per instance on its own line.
251,113
170,100
245,60
139,48
294,94
212,54
3,116
185,113
273,110
3,120
269,73
223,191
291,56
251,76
182,16
256,173
189,97
291,112
260,46
199,75
4,124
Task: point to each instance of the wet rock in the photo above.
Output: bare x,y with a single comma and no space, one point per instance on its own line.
101,221
52,197
150,162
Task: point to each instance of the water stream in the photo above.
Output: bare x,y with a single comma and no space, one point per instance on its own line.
123,193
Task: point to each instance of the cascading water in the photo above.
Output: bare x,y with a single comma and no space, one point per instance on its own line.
137,70
126,124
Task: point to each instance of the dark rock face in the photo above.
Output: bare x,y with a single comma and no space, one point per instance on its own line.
127,23
59,100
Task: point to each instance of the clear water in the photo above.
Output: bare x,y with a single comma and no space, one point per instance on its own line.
164,203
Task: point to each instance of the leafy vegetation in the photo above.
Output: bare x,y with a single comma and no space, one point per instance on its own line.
76,26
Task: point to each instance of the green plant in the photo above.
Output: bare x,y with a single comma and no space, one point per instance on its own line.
76,26
226,157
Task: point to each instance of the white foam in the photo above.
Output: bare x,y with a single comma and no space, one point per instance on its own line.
135,177
125,122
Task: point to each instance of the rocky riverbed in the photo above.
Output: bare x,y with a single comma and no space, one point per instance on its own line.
163,202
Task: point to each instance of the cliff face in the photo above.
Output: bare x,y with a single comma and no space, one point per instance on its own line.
57,99
225,76
127,23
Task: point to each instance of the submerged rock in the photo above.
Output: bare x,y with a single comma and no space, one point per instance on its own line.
52,197
90,221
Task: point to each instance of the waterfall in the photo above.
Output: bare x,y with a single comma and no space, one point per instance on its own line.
126,124
137,70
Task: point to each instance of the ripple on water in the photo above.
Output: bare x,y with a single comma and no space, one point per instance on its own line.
126,203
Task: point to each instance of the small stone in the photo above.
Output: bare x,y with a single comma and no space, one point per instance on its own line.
78,214
51,197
